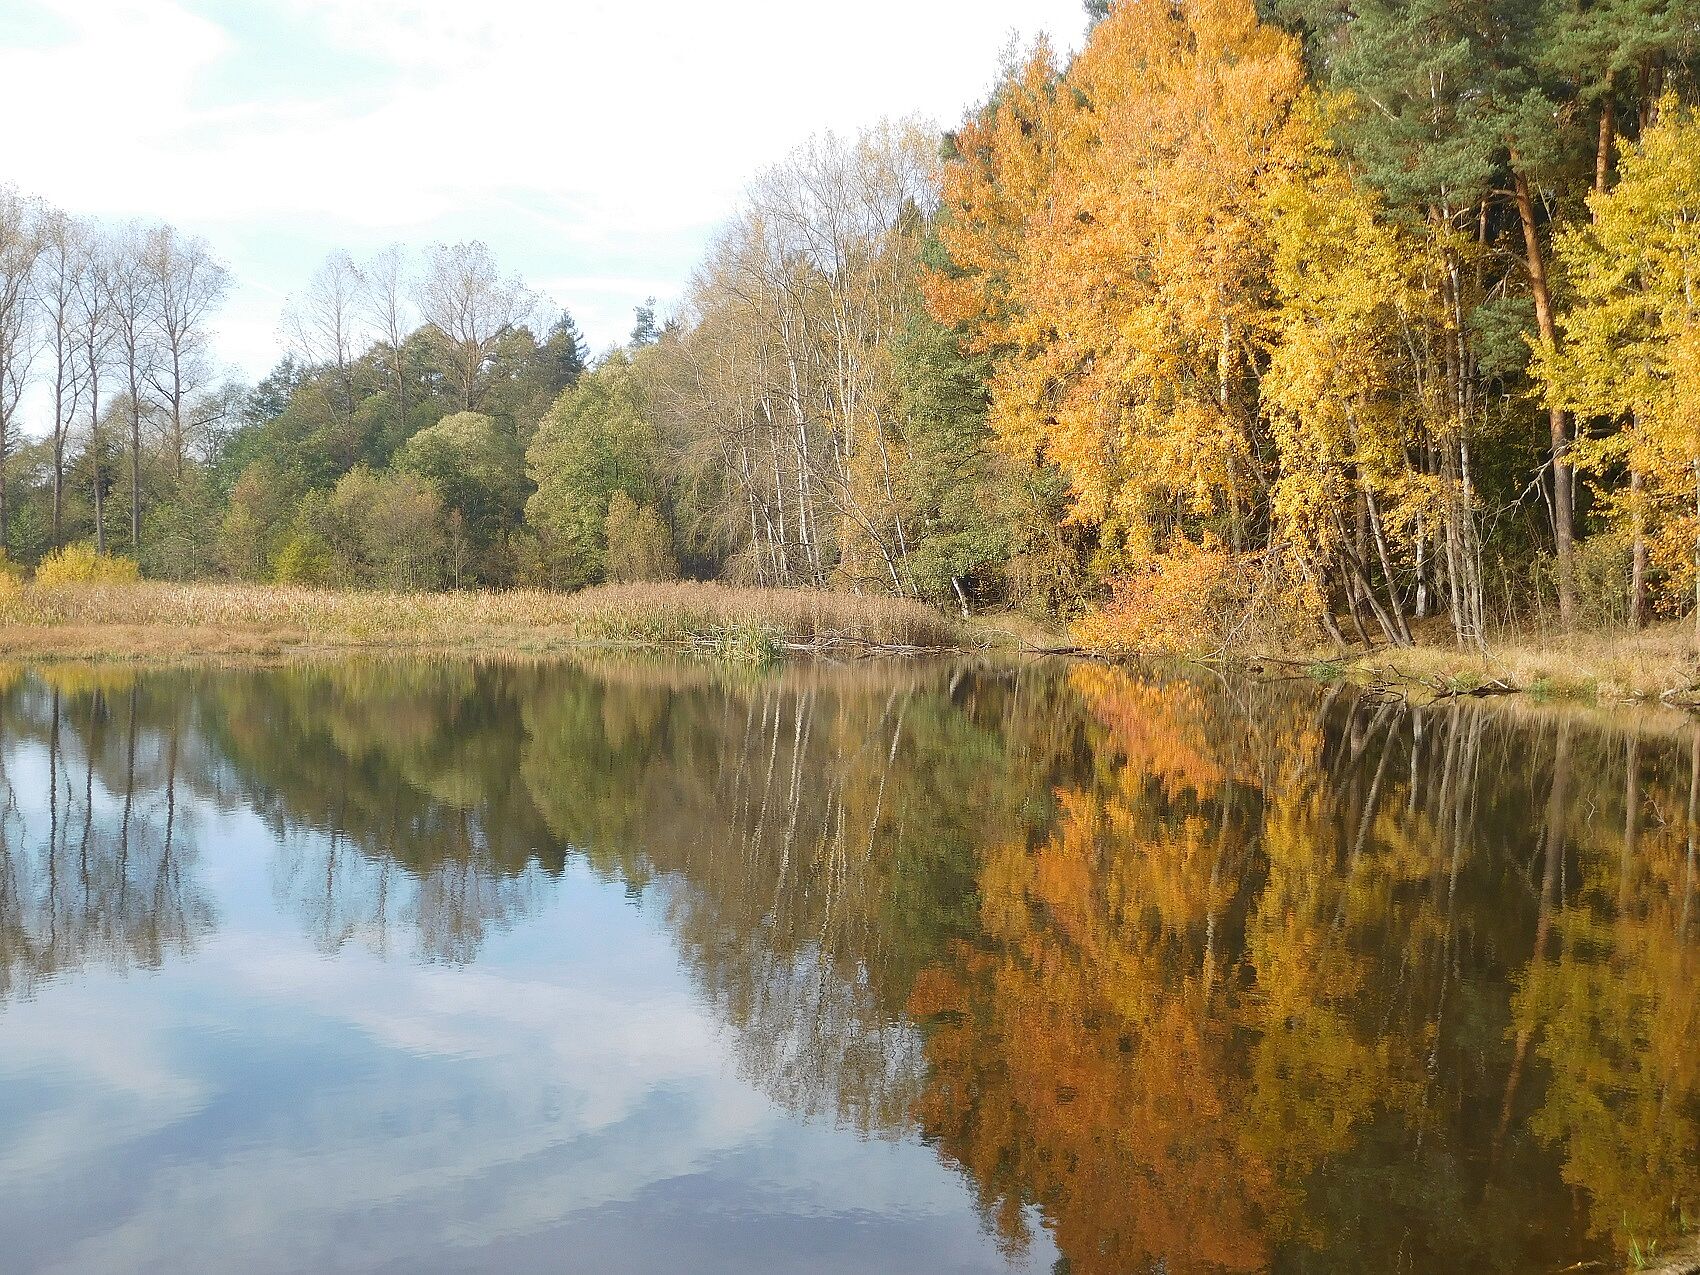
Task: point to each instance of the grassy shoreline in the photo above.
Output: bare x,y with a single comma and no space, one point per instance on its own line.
161,621
1657,665
155,620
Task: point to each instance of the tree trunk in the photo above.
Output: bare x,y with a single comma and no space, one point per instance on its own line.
135,479
1402,629
94,450
1563,500
1608,135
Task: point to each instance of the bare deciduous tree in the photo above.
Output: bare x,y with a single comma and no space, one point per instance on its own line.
785,358
58,271
20,246
471,306
188,284
132,308
95,337
324,323
384,300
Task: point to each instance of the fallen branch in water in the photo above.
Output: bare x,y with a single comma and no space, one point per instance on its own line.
1496,687
836,641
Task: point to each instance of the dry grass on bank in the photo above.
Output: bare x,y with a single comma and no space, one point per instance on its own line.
154,619
151,620
1657,663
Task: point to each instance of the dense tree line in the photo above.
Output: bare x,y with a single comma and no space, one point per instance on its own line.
1248,319
1278,296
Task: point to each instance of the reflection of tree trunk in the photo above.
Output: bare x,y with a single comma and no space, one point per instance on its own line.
1557,800
1693,801
1374,796
53,826
1631,817
129,802
88,802
1455,820
166,868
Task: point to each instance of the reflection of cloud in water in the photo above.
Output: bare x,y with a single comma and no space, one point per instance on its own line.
430,1111
88,1070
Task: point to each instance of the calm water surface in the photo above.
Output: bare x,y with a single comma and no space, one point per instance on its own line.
653,968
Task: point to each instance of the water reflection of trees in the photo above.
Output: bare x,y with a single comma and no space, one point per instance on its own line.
813,834
393,791
1203,976
1357,981
99,868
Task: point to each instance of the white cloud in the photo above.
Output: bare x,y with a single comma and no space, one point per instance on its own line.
588,142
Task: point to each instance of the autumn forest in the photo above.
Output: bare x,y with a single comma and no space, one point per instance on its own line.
1266,323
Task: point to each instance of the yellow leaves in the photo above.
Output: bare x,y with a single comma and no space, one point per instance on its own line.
81,564
1107,235
1631,349
1198,598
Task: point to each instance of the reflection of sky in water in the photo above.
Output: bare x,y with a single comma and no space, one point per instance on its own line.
565,1102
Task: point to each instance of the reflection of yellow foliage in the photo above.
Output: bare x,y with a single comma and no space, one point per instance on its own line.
1071,1070
1617,1012
1179,1016
78,679
1158,729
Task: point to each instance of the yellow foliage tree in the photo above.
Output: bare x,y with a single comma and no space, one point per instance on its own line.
1371,455
1206,324
1108,236
1631,349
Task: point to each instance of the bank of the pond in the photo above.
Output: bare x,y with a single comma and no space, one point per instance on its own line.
1658,664
154,620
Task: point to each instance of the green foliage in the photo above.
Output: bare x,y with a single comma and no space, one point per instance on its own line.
638,544
595,441
180,534
305,558
478,469
1602,565
374,529
961,518
258,511
397,522
563,357
645,329
1413,74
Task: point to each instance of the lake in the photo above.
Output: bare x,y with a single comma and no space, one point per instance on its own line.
642,966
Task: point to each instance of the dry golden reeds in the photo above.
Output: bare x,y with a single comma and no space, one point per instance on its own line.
162,618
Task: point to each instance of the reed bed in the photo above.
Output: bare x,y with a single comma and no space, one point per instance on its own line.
152,618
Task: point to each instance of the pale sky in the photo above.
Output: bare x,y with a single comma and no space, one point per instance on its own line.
594,145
